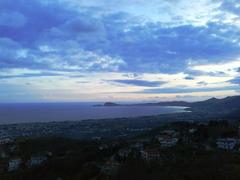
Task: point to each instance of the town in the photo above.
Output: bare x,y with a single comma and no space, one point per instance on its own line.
179,145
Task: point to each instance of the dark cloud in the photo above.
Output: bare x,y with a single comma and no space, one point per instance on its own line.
140,82
186,90
149,47
38,17
189,78
235,80
76,76
28,75
202,83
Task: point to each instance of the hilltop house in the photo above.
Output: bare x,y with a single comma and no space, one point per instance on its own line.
37,160
137,146
167,142
124,152
14,164
226,143
151,154
110,167
5,140
167,138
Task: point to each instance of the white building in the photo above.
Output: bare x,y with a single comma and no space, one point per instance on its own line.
14,164
124,153
226,143
5,140
167,141
138,146
110,167
37,160
151,154
192,130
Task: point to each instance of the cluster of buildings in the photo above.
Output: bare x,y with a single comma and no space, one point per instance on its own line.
227,143
89,129
168,138
11,160
152,148
146,149
17,163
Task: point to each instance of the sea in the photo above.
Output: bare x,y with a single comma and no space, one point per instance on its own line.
51,112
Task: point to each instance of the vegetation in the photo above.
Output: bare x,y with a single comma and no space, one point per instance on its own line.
194,157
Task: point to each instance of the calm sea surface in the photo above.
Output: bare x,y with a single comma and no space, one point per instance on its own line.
47,112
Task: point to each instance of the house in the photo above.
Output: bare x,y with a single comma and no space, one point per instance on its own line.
124,153
145,141
110,167
168,138
96,138
151,154
37,161
192,130
171,133
13,148
49,154
137,146
167,142
226,143
103,147
5,140
14,164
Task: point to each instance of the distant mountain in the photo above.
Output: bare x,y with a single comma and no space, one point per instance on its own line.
110,104
167,103
229,103
226,106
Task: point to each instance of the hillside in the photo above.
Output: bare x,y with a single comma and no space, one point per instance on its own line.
229,105
225,105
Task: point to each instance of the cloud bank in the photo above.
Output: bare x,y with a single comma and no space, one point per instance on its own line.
194,41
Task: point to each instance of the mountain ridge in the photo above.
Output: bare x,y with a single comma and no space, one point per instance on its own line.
213,105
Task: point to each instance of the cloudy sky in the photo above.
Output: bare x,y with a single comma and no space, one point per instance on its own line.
118,50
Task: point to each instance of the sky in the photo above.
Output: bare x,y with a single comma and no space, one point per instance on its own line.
118,50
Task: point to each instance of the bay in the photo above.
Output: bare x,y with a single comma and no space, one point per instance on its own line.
49,112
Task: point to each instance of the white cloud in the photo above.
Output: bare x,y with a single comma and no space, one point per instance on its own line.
229,68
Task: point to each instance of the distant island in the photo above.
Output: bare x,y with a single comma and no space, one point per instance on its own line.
107,104
110,104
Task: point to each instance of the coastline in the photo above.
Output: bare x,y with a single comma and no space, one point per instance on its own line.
81,113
